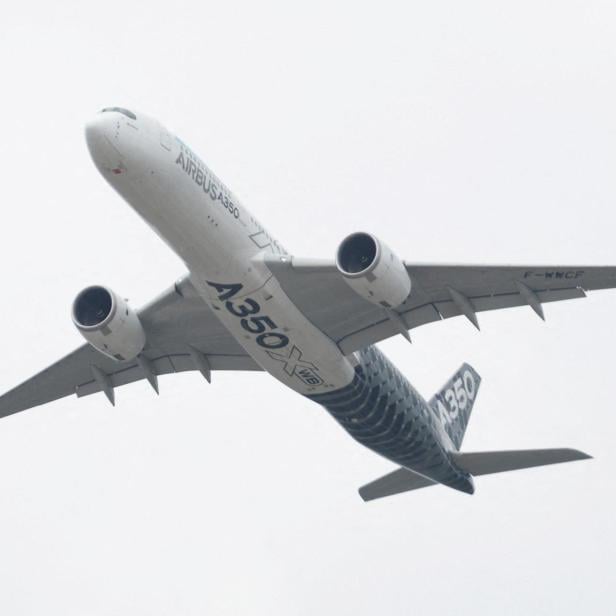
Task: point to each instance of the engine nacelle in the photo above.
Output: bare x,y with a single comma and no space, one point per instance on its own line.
372,270
108,323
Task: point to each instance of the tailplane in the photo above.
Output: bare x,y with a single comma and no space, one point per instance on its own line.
480,463
489,462
454,402
396,482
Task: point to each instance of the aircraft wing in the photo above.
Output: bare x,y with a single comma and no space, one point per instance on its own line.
182,334
437,292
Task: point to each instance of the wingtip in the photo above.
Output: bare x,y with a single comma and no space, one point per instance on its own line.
582,455
365,497
573,455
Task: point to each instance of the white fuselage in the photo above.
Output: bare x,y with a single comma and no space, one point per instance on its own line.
222,246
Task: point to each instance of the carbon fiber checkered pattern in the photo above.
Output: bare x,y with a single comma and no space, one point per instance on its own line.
381,410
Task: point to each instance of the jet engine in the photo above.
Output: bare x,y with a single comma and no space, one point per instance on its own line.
372,270
108,323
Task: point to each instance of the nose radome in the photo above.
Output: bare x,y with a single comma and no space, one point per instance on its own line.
103,136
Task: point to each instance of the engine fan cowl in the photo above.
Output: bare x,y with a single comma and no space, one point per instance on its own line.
372,270
108,323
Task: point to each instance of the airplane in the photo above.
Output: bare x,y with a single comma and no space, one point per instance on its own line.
247,304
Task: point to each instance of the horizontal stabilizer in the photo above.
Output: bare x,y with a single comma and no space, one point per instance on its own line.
481,463
401,480
488,462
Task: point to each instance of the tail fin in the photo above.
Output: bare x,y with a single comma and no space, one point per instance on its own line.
454,402
488,462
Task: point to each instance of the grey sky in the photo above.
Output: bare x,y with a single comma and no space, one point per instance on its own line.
471,132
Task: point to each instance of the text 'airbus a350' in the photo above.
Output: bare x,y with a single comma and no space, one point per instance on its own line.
246,304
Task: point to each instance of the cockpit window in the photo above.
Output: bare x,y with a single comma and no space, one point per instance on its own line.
126,112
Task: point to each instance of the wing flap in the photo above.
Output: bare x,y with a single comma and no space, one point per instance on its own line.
167,365
375,326
448,308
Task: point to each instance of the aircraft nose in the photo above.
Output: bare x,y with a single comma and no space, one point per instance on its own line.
103,136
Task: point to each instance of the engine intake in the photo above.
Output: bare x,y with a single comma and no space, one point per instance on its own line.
372,270
357,254
92,307
108,323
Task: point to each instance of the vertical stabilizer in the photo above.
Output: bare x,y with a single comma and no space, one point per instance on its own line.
454,402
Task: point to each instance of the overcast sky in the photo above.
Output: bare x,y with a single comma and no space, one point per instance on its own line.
454,131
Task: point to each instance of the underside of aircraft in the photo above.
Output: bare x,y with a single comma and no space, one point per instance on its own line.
246,304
